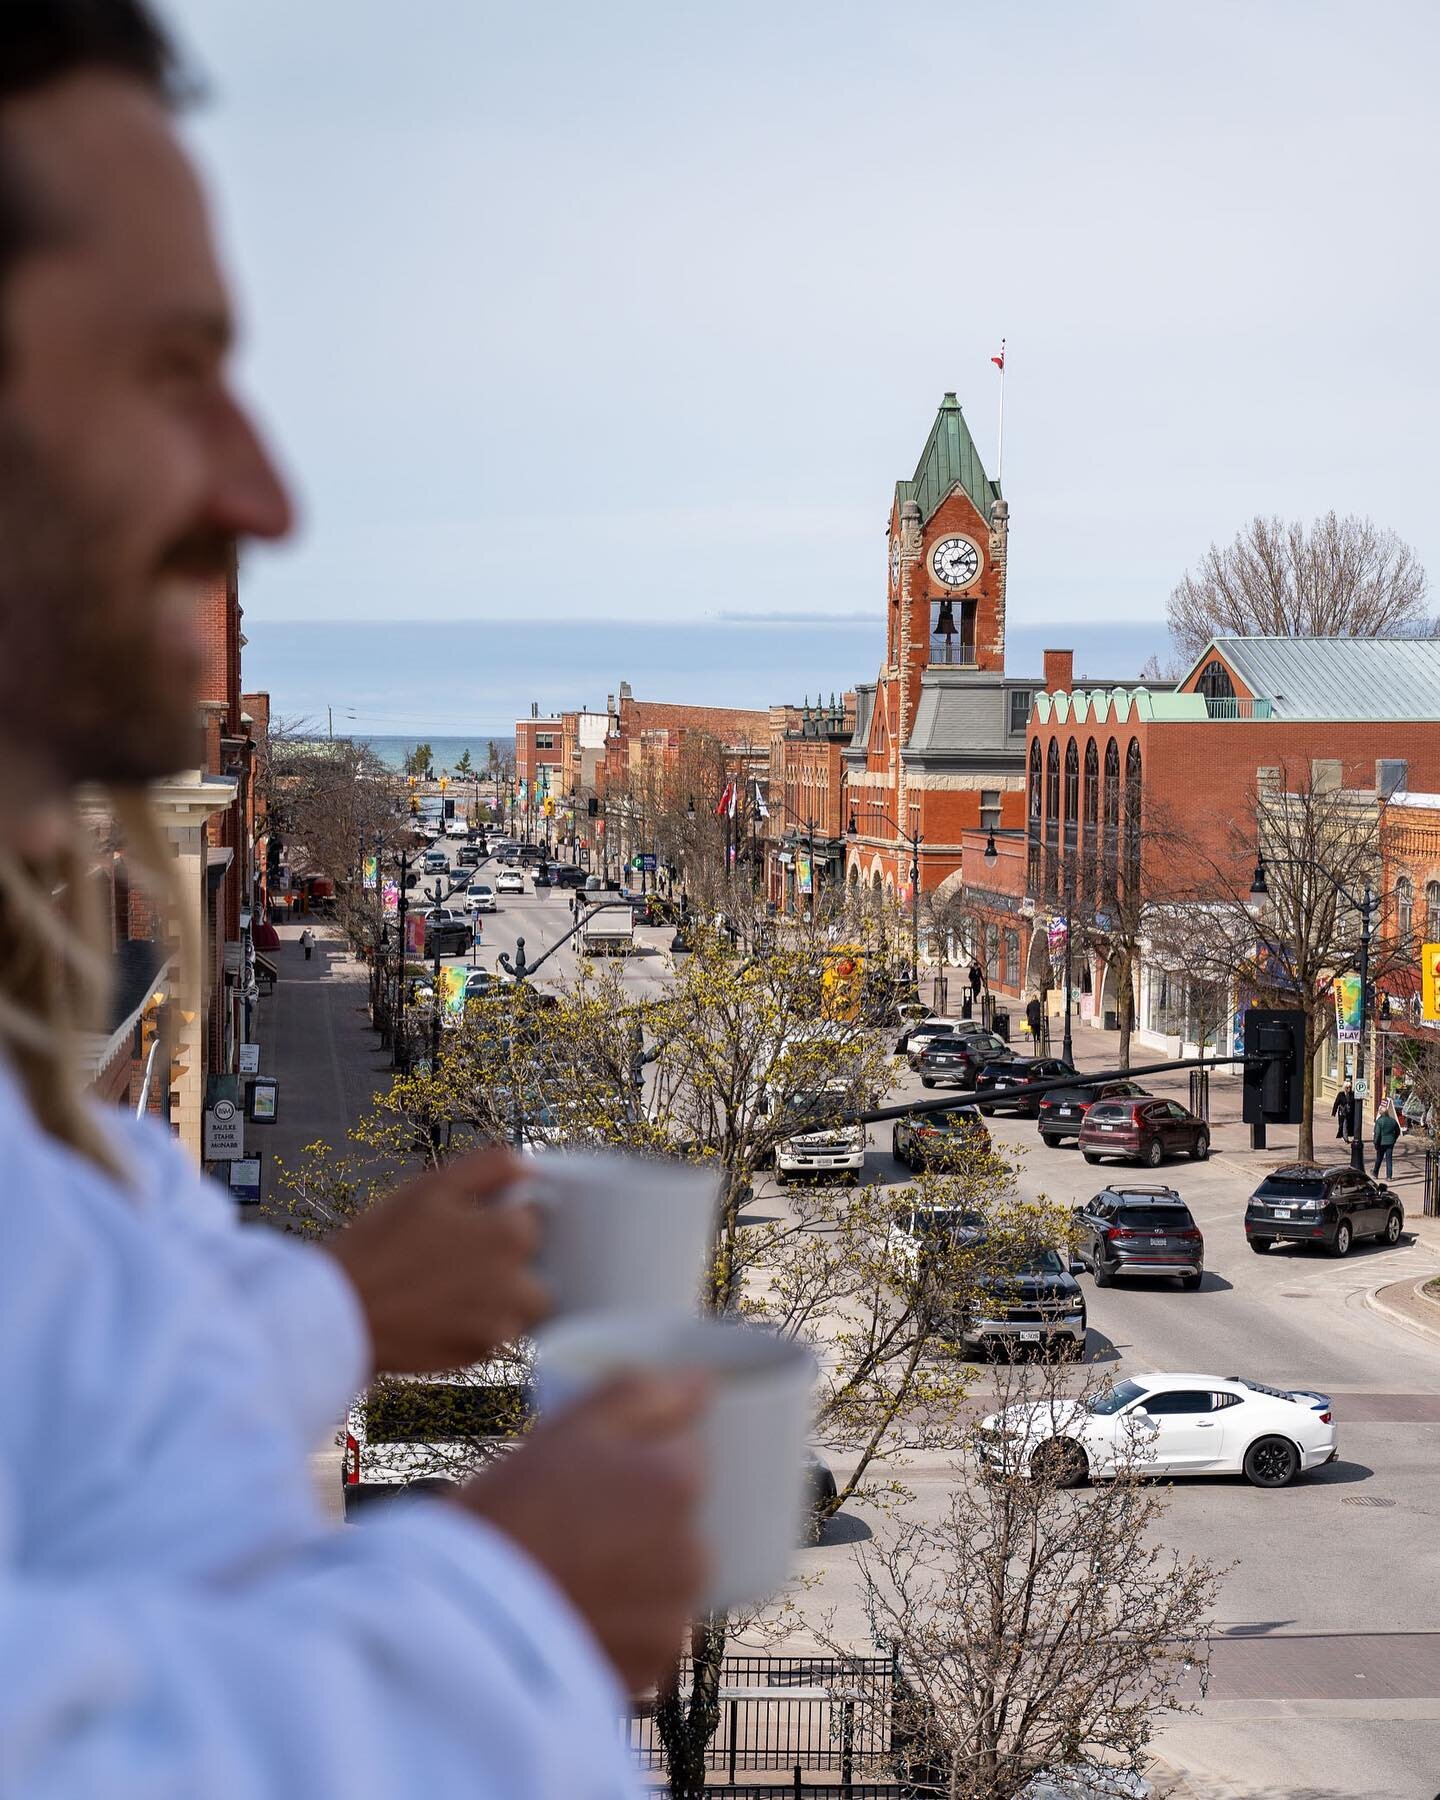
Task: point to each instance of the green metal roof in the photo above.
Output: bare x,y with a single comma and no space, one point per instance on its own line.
949,457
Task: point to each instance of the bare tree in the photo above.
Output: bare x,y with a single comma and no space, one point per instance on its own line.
334,803
1037,1626
1336,578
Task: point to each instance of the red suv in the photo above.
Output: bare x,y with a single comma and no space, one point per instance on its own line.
1145,1131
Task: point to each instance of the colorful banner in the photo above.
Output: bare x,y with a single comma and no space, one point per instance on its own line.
1349,1009
370,876
452,989
391,896
1430,983
804,875
415,933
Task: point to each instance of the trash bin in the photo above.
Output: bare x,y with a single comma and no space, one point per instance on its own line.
967,1009
1000,1024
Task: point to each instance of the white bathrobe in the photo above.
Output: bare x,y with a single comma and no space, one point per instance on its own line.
177,1616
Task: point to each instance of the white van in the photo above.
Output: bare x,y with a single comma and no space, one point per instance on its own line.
424,1433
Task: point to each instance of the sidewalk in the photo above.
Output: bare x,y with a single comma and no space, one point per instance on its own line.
315,1037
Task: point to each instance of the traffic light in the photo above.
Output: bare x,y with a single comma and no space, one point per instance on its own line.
592,806
414,806
444,783
1274,1067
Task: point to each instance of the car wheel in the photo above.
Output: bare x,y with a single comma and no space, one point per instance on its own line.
1271,1462
1393,1227
1343,1235
926,1082
1191,1283
1202,1148
1090,1156
1154,1156
1260,1245
1060,1461
1049,1140
1102,1274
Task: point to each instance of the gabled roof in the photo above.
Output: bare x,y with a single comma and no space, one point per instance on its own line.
949,457
1335,677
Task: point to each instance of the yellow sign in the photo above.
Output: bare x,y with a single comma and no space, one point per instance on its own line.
1430,983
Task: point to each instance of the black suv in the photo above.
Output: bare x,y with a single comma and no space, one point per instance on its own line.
1306,1203
1063,1110
1010,1071
1135,1229
448,937
958,1059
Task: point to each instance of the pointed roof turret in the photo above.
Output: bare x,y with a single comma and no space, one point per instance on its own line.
949,458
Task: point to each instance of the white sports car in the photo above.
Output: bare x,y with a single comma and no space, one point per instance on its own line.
1168,1425
509,881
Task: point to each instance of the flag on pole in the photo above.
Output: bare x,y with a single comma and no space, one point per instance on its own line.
725,806
762,811
734,791
999,361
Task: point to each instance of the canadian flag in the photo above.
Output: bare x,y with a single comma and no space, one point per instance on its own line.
999,361
725,807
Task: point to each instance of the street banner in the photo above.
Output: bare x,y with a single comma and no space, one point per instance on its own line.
452,987
1056,932
390,896
371,876
415,933
1349,1009
1430,983
804,879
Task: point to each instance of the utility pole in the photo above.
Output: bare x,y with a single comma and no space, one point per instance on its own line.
1367,914
402,1041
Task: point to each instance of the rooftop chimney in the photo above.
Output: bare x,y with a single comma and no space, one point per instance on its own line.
1059,670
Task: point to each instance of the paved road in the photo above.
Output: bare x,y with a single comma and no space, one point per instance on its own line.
1326,1674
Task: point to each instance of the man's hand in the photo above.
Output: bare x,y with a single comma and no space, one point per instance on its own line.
442,1270
604,1497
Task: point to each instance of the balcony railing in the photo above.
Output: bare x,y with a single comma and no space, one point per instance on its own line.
1229,707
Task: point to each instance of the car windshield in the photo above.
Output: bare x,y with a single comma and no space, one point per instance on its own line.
949,1043
1290,1187
943,1221
437,1412
963,1119
1042,1262
1154,1218
815,1103
1116,1399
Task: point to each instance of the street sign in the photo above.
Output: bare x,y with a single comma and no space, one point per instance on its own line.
224,1132
249,1059
645,862
1362,1087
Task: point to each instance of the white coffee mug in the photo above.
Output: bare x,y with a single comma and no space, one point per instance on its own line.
753,1434
622,1233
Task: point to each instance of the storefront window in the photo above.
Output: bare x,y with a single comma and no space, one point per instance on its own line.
1012,959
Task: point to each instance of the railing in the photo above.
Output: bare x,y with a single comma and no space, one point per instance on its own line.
787,1712
1221,706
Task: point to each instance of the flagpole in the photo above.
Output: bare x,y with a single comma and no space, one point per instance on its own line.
1000,446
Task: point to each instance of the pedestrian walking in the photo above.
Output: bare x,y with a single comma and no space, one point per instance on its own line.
977,980
1343,1112
1387,1129
1034,1018
307,942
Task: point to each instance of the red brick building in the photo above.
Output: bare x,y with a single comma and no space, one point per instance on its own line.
807,800
539,770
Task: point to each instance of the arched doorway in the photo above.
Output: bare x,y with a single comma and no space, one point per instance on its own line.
1038,973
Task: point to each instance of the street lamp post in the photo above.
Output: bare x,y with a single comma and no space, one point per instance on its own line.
914,840
1366,906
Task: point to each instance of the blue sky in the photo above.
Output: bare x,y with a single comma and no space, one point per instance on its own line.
638,310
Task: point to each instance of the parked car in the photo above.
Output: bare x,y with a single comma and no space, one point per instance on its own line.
448,936
426,1433
1012,1070
1040,1304
1305,1203
509,881
478,983
958,1059
1132,1229
916,1232
913,1039
1063,1110
921,1140
834,1152
566,875
1168,1425
1143,1131
480,897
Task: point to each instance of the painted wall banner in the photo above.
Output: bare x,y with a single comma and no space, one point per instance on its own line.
1430,983
1349,1008
804,875
371,875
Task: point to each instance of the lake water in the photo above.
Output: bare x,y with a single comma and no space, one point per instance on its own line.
470,680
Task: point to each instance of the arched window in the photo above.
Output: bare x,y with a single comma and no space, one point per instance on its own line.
1092,815
1215,684
1432,912
1052,813
1033,819
1110,869
1072,797
1132,817
1404,910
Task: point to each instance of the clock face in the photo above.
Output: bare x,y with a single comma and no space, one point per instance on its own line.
956,562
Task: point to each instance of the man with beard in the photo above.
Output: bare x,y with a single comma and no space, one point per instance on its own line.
176,1615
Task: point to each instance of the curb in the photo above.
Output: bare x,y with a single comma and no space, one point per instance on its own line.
1395,1314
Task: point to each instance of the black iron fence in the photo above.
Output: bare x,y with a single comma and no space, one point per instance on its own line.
790,1712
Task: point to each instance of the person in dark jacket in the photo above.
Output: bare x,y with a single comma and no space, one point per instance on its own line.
1034,1017
1343,1112
977,980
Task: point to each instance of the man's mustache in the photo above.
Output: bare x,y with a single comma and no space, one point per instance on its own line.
200,554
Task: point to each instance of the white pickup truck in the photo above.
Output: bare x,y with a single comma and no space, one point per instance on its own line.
610,932
835,1152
